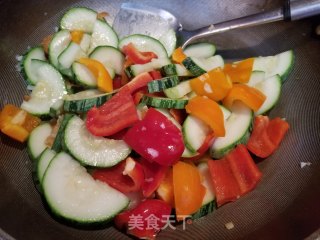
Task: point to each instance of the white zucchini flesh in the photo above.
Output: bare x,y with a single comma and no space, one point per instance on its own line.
145,43
49,89
43,162
79,19
200,50
206,182
72,53
237,128
30,71
85,42
271,88
110,57
169,41
103,35
37,140
256,77
194,132
58,44
73,194
279,64
92,150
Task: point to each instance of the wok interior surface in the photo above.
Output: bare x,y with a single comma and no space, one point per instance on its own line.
285,205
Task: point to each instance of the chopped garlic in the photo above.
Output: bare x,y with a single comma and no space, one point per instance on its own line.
229,225
303,164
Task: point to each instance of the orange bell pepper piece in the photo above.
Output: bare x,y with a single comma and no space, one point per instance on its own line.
76,36
165,189
188,190
104,81
250,96
239,72
213,84
178,56
209,112
17,123
16,132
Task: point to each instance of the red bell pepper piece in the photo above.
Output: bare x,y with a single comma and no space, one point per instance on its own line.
126,176
138,95
266,135
145,220
155,74
117,82
136,56
139,82
156,139
244,169
178,114
234,175
224,183
116,114
153,176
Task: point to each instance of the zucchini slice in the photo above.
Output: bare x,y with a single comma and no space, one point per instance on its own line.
179,91
91,150
72,193
83,101
280,64
169,41
194,132
49,89
237,131
199,66
200,50
103,35
145,43
110,57
43,162
208,202
163,83
37,140
161,102
58,44
72,53
79,19
271,88
28,70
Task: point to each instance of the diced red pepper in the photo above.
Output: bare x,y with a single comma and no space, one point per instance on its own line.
126,176
145,220
234,175
178,114
156,139
155,74
138,95
116,114
153,175
266,135
117,82
139,82
244,169
136,56
224,183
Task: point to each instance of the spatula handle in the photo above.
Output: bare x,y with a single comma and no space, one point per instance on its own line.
301,9
290,11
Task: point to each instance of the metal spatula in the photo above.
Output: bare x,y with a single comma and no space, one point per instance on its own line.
138,18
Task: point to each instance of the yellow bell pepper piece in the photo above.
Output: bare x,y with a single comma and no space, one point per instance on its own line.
213,84
104,81
178,56
76,36
209,112
239,72
250,96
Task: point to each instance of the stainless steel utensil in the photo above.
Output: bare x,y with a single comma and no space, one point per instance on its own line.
138,18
